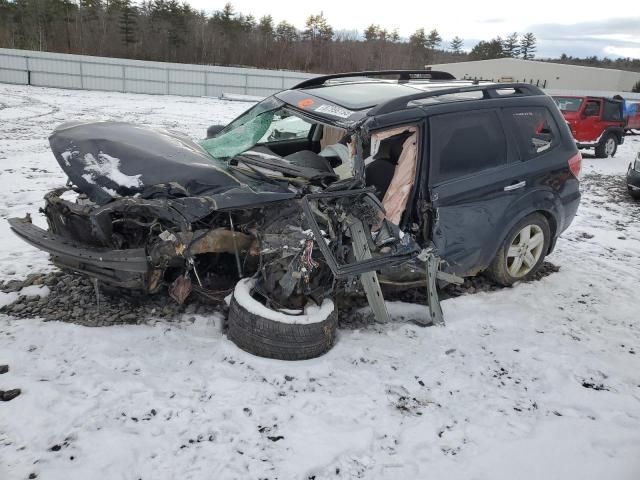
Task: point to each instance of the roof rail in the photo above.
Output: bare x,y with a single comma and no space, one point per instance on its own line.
488,91
402,75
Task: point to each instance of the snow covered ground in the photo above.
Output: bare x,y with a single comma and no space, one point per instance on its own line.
541,381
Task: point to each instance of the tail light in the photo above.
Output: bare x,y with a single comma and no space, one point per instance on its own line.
575,164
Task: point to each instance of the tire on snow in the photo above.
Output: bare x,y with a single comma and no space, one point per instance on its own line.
601,148
283,339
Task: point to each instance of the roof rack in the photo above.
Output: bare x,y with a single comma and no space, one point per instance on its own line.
488,91
402,75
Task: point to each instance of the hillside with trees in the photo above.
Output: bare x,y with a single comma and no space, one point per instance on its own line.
167,30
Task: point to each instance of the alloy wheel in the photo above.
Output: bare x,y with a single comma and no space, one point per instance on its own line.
525,251
610,146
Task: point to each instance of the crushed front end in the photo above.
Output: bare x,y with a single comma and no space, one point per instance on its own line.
152,210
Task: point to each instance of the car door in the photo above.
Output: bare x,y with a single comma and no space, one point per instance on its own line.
472,183
589,126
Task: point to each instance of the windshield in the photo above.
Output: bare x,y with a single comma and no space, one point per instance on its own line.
568,104
268,121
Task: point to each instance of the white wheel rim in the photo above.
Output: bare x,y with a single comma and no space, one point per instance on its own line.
610,147
525,251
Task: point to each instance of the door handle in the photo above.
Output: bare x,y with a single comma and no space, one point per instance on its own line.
515,186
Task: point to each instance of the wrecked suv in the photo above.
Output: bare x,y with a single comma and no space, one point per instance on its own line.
345,185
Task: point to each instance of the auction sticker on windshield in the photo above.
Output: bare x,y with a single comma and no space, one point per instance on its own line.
307,102
333,110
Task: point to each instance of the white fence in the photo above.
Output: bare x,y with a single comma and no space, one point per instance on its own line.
61,70
46,69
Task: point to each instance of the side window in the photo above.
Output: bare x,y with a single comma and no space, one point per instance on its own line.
592,109
285,127
466,143
535,129
612,111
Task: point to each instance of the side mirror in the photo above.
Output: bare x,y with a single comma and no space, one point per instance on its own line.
214,130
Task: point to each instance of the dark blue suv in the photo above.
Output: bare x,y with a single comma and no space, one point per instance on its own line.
496,176
345,184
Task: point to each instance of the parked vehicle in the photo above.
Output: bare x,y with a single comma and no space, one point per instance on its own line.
633,178
595,122
632,115
344,185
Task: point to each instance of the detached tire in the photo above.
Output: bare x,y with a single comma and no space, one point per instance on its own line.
607,147
522,251
282,340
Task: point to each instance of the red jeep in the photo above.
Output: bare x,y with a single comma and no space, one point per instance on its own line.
595,122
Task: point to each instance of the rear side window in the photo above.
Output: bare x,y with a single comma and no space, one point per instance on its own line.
612,111
466,143
535,129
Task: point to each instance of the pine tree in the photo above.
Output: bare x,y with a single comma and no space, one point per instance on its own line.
265,26
486,50
228,13
418,39
371,32
247,23
528,46
286,33
418,52
433,40
456,45
127,23
317,28
511,46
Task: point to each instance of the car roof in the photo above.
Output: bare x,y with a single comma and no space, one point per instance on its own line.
343,99
365,94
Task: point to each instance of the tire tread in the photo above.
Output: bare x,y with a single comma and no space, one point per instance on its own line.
282,341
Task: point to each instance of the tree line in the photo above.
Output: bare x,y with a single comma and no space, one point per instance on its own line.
167,30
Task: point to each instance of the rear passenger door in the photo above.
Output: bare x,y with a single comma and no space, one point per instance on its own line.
474,177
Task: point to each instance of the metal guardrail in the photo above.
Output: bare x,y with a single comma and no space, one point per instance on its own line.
131,78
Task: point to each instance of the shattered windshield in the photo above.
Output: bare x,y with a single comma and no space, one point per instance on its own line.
268,121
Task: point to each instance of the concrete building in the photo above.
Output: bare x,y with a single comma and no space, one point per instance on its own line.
553,76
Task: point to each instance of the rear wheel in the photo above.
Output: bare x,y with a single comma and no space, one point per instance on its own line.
607,147
522,252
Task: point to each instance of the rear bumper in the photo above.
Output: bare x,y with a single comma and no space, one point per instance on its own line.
570,205
123,268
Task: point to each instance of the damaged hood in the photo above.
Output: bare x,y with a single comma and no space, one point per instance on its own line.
107,160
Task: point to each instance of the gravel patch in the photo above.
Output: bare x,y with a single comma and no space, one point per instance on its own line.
72,298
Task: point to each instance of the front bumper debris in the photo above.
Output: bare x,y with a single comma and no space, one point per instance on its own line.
125,268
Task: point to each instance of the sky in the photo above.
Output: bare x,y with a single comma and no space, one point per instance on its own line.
578,28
